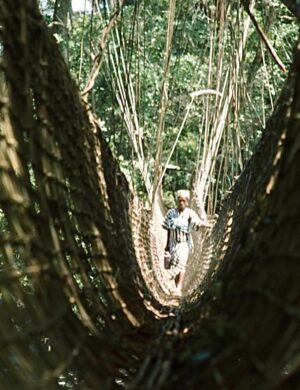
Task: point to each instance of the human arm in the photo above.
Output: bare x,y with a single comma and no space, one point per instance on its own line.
167,247
168,224
196,222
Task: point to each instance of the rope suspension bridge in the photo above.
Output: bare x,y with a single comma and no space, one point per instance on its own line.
84,299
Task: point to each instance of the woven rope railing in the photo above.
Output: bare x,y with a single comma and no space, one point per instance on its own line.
250,295
245,203
70,296
84,301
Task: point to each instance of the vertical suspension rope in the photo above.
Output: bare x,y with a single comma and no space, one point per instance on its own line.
164,97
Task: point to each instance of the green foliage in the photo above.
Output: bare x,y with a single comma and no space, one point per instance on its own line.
142,38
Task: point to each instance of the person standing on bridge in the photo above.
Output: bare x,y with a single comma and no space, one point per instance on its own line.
179,222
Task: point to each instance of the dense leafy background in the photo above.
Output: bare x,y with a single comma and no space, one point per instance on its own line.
200,31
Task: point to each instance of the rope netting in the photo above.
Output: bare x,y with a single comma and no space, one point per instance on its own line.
68,272
85,302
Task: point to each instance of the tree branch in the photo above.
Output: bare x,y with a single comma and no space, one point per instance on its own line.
101,46
264,37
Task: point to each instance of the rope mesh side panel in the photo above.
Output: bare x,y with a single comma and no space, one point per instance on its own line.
247,331
243,205
69,296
